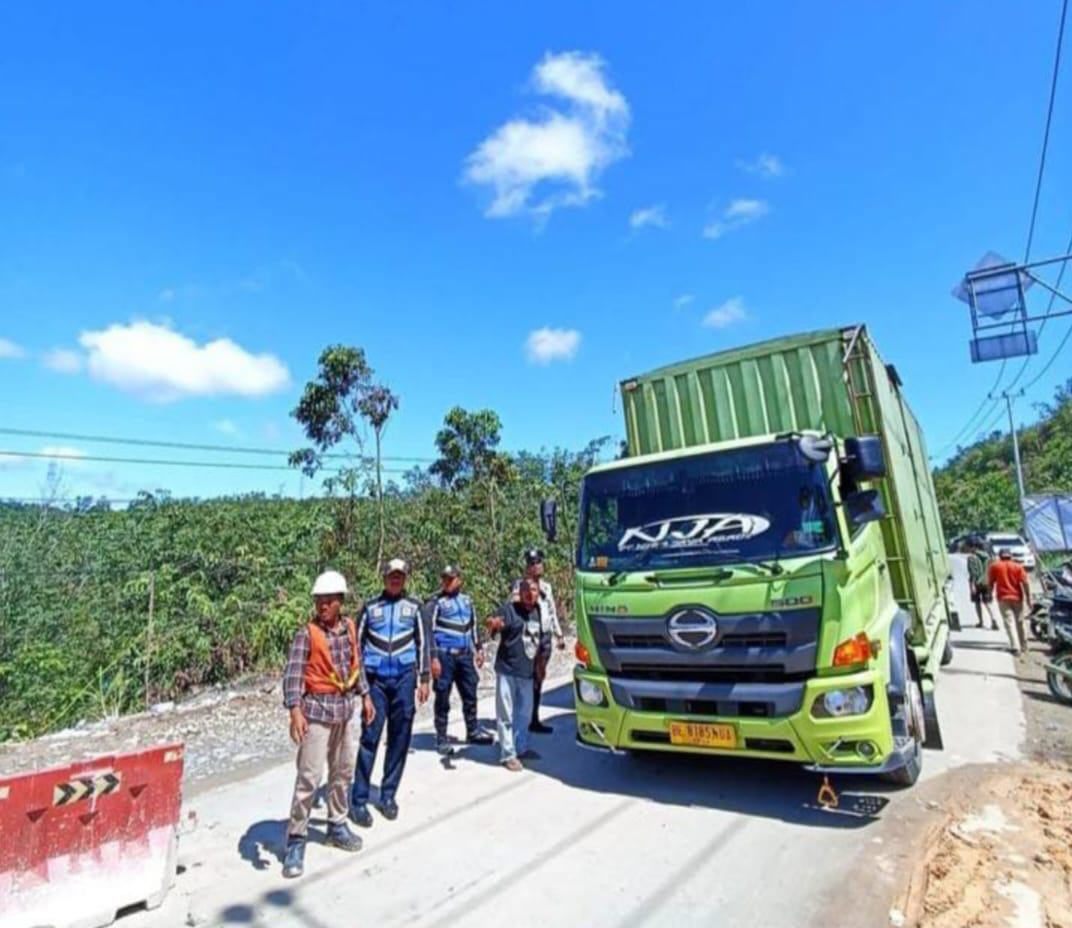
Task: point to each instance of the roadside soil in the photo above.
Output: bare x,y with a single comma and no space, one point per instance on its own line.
997,842
229,732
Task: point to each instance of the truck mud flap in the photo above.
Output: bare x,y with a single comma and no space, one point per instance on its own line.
930,716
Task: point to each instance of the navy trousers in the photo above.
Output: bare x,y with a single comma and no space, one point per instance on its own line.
395,700
457,670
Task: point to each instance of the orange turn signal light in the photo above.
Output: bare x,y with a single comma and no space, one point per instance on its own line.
582,654
856,650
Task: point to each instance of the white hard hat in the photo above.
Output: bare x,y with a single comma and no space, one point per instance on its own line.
396,566
330,583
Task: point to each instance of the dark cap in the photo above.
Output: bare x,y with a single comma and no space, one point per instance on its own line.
533,556
1005,554
450,571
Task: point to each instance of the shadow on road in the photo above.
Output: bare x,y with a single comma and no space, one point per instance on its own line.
262,843
783,791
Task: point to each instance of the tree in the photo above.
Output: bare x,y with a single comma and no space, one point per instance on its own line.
376,407
332,410
467,446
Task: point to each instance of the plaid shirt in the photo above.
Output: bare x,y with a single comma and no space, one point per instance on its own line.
328,708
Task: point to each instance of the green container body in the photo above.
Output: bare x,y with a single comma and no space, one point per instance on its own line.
833,381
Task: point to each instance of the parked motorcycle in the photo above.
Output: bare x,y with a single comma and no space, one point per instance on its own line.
1059,630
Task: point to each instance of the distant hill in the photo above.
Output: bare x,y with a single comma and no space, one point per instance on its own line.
977,487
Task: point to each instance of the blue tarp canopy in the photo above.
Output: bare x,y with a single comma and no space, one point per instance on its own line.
1049,521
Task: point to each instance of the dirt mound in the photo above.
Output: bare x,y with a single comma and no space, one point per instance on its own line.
1004,861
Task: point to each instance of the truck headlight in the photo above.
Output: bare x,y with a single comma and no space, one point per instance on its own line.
590,693
836,704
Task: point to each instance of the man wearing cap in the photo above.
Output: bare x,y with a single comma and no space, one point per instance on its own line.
1012,590
322,677
394,643
534,571
457,656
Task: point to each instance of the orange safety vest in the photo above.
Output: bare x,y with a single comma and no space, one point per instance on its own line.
321,675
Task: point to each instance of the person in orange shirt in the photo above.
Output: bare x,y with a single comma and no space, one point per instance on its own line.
1013,593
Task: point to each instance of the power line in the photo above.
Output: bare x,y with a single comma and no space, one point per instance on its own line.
1042,328
974,417
1046,133
1053,357
167,462
186,446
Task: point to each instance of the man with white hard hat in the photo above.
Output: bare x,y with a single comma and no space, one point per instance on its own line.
322,678
394,640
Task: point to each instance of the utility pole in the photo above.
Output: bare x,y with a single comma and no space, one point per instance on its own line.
1009,397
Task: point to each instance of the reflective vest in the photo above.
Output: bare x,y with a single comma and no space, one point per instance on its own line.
390,629
322,676
453,618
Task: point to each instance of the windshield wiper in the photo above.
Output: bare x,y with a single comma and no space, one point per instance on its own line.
615,578
774,568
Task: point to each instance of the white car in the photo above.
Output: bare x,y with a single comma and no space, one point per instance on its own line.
1018,548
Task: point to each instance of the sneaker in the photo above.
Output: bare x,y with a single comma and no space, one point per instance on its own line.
389,809
480,737
513,765
443,746
541,728
340,836
360,815
529,754
294,859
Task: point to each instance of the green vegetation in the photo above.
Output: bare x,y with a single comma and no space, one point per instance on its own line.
977,488
107,611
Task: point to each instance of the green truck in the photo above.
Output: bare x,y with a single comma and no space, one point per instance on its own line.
764,574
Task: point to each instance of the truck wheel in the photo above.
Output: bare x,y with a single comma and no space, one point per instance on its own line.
947,653
908,721
1059,684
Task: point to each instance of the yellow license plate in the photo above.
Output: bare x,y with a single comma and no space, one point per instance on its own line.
703,735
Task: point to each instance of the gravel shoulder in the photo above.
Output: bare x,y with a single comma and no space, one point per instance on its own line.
229,732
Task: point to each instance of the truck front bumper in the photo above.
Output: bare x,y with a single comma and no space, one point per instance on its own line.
861,742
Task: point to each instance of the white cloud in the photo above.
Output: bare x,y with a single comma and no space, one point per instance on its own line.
684,300
765,165
156,362
536,165
740,212
9,350
225,427
67,456
62,361
649,216
546,345
727,314
60,455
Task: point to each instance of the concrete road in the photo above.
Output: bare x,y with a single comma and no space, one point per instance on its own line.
581,838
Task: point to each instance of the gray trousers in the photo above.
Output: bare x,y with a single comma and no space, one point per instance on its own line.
335,746
513,710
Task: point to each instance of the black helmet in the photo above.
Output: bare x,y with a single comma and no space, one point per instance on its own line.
533,556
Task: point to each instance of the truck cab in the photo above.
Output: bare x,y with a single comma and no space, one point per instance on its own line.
741,597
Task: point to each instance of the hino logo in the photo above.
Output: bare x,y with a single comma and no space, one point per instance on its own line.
693,531
692,629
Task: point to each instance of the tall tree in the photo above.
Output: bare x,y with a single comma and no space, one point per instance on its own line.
376,407
332,411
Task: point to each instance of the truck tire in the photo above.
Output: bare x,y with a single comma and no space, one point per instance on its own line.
908,721
947,653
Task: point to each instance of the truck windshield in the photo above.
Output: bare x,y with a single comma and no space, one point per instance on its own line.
752,503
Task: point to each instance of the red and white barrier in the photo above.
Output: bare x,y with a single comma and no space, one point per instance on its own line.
79,843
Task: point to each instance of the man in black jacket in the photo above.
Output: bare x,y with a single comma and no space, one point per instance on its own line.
521,634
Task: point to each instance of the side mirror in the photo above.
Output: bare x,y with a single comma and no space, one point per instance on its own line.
864,457
549,518
864,506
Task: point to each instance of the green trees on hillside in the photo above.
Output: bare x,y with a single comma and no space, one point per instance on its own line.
977,488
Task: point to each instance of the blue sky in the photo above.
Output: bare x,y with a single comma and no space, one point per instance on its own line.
506,210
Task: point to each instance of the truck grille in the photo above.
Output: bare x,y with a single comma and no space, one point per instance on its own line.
745,640
756,666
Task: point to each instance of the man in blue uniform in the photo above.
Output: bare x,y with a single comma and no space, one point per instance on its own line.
457,656
395,650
